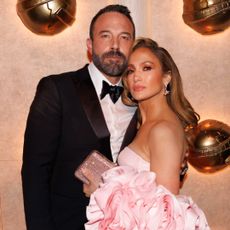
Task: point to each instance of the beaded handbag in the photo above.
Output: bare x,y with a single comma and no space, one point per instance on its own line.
95,164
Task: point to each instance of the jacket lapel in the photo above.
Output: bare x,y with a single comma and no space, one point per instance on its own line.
92,108
130,132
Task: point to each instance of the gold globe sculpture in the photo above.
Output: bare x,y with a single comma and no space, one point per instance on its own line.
207,16
211,151
46,17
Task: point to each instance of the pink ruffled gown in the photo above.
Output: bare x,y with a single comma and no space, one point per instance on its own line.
129,199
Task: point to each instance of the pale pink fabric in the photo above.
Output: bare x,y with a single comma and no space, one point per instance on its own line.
130,158
129,199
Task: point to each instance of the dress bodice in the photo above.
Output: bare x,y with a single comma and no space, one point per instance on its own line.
129,198
130,158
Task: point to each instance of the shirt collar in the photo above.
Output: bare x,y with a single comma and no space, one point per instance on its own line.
97,78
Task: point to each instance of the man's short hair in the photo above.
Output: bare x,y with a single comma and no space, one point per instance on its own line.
111,8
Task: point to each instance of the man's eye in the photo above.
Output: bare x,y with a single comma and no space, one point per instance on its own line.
105,35
125,37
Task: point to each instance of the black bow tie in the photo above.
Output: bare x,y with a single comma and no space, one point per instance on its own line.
113,91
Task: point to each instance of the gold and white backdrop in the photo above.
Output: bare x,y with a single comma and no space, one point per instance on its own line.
26,57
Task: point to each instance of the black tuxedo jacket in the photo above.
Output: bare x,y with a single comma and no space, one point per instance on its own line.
65,123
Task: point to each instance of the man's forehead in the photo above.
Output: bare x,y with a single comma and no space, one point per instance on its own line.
114,20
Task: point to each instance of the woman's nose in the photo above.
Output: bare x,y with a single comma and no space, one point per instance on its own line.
137,76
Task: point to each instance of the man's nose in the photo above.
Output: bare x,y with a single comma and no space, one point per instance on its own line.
115,44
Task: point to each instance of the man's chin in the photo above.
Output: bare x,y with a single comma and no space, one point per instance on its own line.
114,70
115,76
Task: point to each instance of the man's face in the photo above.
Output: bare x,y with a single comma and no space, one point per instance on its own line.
111,44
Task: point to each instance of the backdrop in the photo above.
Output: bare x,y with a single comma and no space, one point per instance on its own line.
25,58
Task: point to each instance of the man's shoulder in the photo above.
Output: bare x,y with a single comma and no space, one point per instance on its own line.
63,81
67,75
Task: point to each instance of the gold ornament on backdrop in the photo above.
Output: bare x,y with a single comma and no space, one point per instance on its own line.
46,17
211,151
207,16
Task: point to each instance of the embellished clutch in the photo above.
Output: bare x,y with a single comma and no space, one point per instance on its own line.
95,164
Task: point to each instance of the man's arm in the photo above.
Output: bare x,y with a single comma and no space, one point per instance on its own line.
40,149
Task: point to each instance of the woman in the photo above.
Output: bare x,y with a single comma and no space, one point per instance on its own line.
142,193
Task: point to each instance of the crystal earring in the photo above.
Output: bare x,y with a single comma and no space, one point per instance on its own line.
167,89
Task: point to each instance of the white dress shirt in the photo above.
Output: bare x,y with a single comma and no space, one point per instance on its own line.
117,116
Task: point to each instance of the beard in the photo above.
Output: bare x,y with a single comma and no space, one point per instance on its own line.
110,67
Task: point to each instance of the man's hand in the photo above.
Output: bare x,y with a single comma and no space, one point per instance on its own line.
184,166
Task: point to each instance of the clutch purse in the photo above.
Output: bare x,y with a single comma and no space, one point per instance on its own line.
95,164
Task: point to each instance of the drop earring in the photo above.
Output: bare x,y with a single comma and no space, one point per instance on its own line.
167,89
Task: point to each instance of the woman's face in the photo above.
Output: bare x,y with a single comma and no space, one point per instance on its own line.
145,78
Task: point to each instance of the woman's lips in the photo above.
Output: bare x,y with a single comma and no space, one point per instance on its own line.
138,88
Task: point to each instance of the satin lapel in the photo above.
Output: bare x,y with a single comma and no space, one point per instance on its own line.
130,132
92,108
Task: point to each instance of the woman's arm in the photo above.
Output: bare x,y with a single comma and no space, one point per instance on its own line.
166,147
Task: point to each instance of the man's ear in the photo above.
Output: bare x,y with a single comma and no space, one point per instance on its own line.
89,45
89,48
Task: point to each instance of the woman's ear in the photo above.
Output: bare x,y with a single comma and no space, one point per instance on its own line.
167,78
166,81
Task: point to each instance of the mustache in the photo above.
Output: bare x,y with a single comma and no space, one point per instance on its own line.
113,53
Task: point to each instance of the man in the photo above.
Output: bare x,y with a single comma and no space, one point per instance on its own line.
69,118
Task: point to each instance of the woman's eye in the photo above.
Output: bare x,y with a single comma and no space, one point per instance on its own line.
147,68
129,71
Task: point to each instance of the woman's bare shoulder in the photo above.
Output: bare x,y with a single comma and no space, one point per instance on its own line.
166,134
164,127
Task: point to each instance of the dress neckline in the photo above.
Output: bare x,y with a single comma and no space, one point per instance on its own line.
140,157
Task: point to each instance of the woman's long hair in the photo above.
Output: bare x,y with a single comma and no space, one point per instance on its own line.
176,98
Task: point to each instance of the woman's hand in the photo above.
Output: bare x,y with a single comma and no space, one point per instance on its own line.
89,188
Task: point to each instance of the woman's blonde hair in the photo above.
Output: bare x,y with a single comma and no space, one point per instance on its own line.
176,98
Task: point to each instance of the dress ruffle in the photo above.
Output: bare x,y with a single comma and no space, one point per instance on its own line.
131,200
